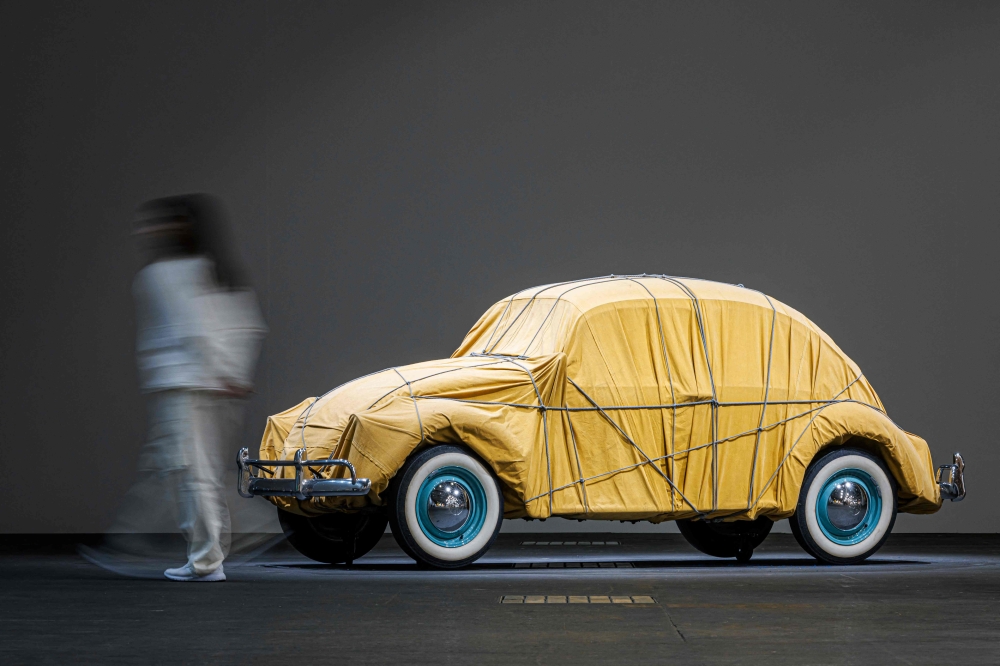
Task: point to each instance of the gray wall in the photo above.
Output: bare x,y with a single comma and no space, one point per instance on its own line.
393,169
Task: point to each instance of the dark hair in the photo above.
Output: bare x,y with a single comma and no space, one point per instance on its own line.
209,232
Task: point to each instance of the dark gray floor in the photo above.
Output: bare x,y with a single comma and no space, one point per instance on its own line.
923,599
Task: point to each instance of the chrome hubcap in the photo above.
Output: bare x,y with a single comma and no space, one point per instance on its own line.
448,506
847,505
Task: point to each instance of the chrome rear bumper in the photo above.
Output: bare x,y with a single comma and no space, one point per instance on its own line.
250,484
951,479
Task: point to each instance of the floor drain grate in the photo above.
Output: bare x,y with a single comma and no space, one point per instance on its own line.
573,565
571,543
574,599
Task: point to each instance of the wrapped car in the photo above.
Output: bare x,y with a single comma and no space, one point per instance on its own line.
626,397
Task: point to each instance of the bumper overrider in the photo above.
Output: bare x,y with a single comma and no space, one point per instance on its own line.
252,483
951,479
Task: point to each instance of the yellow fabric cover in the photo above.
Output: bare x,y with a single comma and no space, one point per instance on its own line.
662,398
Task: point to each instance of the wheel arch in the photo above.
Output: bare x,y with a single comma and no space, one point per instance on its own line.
512,499
858,425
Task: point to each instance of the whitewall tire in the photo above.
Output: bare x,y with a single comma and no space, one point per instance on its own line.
847,506
445,507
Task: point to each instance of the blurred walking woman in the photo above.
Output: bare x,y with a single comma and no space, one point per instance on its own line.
199,335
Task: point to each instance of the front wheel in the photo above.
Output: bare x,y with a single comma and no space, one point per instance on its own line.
734,539
445,507
333,538
846,508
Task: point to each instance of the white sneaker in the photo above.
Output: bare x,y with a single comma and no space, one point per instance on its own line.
187,574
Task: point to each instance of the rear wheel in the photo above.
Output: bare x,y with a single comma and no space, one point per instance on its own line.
846,507
333,538
445,507
734,539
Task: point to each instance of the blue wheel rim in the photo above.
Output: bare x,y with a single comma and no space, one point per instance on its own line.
477,511
867,525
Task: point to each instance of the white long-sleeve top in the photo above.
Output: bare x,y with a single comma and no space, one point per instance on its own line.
173,347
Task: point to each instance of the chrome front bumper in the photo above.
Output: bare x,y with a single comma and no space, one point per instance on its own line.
951,479
250,484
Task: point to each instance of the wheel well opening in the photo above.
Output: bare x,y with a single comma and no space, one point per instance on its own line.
508,493
871,446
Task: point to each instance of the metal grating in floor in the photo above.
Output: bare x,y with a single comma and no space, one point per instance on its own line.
575,599
571,543
573,565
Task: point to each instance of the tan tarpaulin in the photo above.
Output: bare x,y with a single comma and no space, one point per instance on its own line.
625,397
